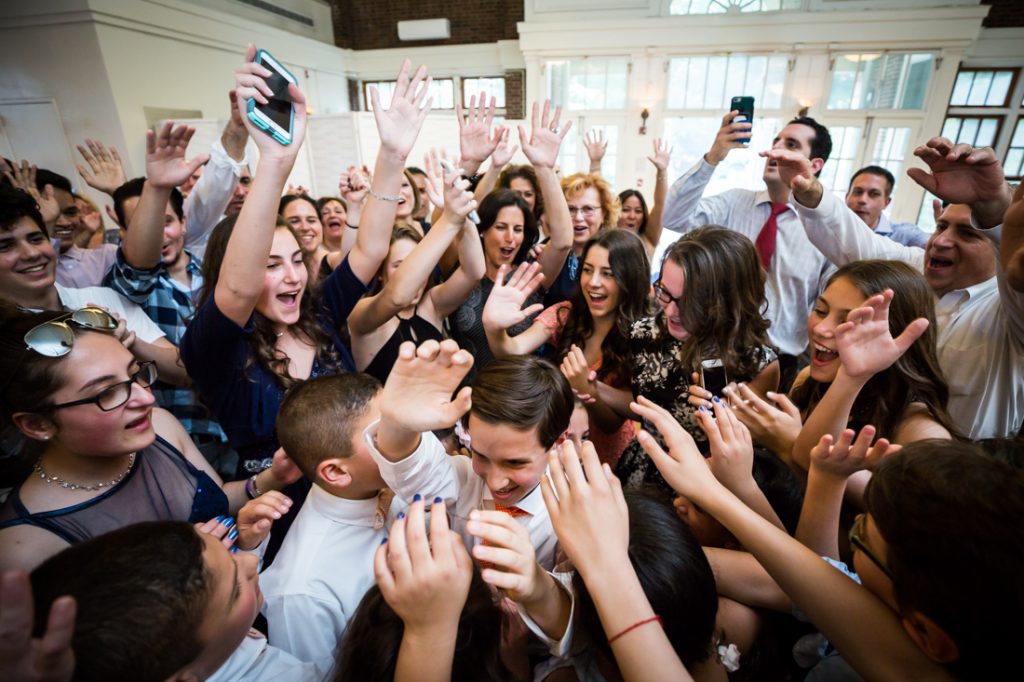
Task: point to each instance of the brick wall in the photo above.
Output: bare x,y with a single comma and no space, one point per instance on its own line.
373,25
515,91
1004,13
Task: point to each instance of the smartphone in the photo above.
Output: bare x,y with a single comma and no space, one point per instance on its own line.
713,376
277,116
745,106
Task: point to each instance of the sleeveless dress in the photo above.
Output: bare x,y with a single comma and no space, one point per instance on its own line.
161,486
415,329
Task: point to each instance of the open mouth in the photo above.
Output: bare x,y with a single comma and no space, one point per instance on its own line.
334,225
935,263
290,299
507,252
596,298
822,355
139,424
34,269
504,493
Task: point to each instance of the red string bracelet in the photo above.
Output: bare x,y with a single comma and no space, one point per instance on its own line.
637,624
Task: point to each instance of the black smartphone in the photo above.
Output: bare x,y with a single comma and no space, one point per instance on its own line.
713,376
745,106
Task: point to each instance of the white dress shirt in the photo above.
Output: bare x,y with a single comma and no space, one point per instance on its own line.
134,317
980,328
798,270
205,204
321,573
432,472
256,661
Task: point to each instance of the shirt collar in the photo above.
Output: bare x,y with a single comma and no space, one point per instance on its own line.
532,504
341,510
763,197
884,224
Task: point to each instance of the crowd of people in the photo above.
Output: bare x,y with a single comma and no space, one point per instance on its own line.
452,423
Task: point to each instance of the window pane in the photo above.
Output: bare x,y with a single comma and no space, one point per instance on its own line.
836,174
987,130
951,129
1000,88
698,74
588,84
487,87
722,6
1014,166
691,137
962,88
880,81
926,216
1018,134
890,150
712,82
979,91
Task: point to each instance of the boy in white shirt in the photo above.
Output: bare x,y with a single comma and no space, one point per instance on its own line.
325,564
520,408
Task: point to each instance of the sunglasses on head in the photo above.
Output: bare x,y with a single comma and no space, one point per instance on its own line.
55,337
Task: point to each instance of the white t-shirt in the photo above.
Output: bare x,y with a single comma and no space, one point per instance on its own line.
133,316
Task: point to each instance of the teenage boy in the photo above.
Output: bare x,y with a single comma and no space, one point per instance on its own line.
937,554
325,565
520,408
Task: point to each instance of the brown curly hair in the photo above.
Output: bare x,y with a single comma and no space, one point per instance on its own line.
723,302
263,340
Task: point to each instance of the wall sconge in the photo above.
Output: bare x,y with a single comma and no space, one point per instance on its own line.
805,106
643,121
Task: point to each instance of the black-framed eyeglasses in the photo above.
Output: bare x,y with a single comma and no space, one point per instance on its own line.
663,295
55,338
857,540
113,397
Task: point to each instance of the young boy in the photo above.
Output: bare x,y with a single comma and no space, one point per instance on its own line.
159,601
937,553
325,564
520,408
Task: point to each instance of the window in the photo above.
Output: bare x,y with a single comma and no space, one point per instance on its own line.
691,137
836,173
712,82
880,81
890,150
1014,165
979,131
982,88
735,6
572,156
588,84
442,93
489,87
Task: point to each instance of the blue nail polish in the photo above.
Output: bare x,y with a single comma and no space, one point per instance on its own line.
233,534
234,550
438,500
417,497
228,522
401,515
220,518
715,398
702,408
384,541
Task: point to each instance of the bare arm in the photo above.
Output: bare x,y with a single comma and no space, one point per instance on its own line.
662,155
450,294
165,355
740,577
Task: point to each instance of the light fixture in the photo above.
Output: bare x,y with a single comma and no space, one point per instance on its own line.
805,106
644,115
863,57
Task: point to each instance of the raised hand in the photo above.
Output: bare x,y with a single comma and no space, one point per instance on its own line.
257,516
775,426
250,84
796,171
107,171
595,145
848,455
730,136
23,658
166,166
960,173
732,450
683,467
221,528
545,138
587,509
865,343
504,306
458,200
508,548
435,176
418,392
425,582
353,187
477,140
24,177
662,155
576,370
504,152
400,124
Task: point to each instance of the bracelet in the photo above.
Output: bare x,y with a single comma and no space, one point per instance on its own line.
383,197
354,227
637,624
252,488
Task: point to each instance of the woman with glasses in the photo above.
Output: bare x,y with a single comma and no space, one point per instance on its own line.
508,230
711,294
107,457
589,332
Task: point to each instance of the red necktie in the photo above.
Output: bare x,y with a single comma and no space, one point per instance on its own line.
765,241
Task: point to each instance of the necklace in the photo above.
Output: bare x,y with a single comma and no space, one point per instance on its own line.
89,488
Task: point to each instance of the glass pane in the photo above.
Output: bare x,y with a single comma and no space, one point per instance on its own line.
617,84
1014,166
986,132
691,137
1000,88
558,84
890,150
487,87
968,131
916,81
926,216
835,176
697,80
714,93
1018,134
775,83
962,88
677,87
735,80
877,81
951,128
567,153
844,77
979,91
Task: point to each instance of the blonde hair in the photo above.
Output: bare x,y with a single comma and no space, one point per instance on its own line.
579,182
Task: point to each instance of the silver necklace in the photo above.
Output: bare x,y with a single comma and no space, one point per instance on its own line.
75,486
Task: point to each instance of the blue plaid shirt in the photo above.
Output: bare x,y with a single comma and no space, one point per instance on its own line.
170,304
